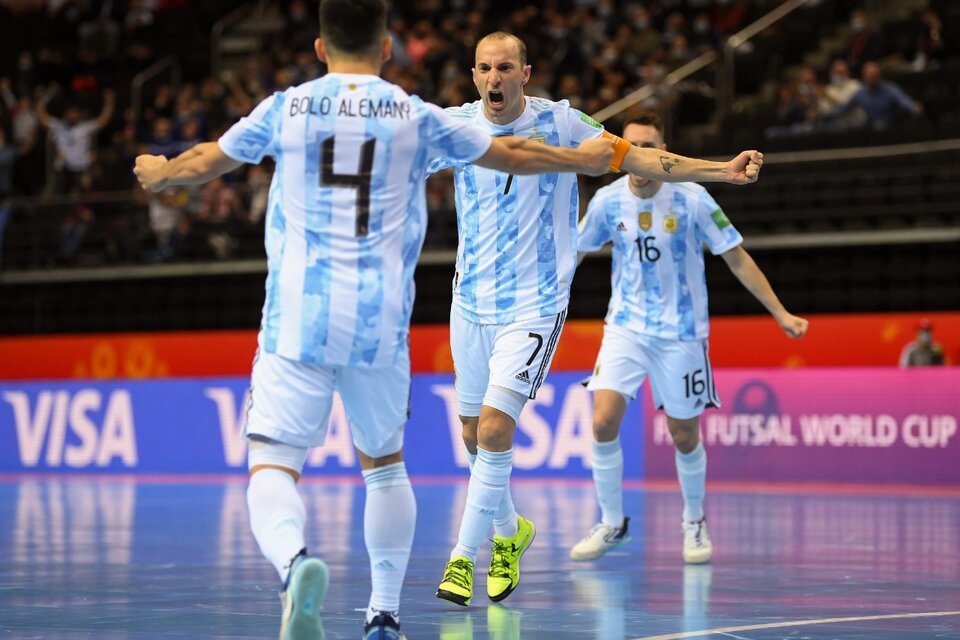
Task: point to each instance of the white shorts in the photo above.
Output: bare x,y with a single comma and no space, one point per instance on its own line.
290,402
514,356
681,378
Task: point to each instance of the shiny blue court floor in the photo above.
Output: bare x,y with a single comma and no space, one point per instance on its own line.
114,559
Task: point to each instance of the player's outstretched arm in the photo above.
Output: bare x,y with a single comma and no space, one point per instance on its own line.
520,156
750,276
663,166
196,165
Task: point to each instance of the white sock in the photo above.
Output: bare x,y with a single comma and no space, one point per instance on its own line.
389,519
505,519
692,473
277,517
372,613
488,480
608,481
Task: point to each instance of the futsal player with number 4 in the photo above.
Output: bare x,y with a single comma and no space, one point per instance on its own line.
345,225
656,326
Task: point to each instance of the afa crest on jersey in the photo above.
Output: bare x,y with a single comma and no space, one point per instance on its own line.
645,220
670,223
538,137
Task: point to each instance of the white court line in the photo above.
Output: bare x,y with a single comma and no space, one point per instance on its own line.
797,623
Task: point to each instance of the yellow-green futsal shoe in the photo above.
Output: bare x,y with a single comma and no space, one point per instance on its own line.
504,574
457,584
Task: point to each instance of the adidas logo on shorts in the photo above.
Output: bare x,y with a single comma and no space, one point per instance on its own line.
523,376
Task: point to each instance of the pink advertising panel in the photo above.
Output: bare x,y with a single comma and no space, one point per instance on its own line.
849,425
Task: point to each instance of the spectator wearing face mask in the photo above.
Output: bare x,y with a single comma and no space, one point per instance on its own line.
865,43
924,351
703,37
839,91
645,38
797,105
883,102
841,86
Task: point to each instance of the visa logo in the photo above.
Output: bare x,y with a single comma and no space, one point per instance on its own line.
80,429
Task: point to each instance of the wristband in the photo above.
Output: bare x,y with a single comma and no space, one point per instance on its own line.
620,149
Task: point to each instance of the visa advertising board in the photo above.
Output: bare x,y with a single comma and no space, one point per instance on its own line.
195,426
850,425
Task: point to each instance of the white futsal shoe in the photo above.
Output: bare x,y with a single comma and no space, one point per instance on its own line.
302,597
697,547
601,539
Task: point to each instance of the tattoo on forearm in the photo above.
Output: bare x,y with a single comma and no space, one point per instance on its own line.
669,163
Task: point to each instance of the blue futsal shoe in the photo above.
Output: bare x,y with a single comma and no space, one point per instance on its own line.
384,626
302,596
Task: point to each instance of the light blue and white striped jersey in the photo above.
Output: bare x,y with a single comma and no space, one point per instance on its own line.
347,212
518,234
659,283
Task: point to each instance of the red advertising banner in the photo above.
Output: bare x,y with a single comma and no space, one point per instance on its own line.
754,341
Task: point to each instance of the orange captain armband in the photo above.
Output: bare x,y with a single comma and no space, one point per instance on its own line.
620,149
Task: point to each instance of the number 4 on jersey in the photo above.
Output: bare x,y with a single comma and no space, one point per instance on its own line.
360,181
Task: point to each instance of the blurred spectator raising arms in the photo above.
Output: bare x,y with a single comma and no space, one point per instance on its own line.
23,135
74,138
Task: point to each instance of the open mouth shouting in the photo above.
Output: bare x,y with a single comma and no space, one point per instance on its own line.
495,99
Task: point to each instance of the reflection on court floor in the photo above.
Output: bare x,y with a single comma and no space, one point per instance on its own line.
115,558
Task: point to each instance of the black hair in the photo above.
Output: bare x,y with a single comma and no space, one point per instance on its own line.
353,27
647,118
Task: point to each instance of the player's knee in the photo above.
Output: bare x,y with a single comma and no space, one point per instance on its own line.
605,427
495,432
470,443
368,462
469,433
608,410
685,434
372,455
495,436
